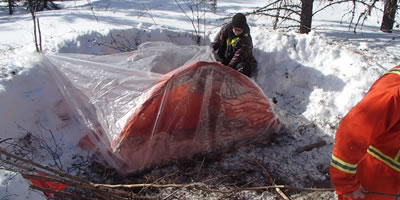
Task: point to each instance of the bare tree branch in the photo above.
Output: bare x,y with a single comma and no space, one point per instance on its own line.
269,177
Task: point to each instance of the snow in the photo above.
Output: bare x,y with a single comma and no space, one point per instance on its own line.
14,186
315,79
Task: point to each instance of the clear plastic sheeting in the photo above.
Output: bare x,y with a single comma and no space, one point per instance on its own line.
160,102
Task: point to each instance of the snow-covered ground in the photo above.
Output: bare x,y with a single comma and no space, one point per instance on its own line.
313,79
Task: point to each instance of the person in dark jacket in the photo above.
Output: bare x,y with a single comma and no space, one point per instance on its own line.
233,46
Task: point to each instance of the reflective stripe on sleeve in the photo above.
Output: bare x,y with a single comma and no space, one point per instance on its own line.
393,71
384,158
343,166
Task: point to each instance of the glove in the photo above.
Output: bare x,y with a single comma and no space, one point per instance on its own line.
240,68
359,193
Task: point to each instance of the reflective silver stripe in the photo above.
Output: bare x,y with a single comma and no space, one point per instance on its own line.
393,71
343,166
384,158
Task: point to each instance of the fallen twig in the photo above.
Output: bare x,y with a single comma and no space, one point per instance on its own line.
270,179
311,146
290,188
61,177
4,140
200,186
61,193
49,169
100,192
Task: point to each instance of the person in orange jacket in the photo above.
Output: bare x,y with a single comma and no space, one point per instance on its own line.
366,153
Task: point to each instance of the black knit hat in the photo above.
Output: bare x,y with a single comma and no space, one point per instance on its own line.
239,21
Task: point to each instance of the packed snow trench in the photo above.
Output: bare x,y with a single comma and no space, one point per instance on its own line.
304,77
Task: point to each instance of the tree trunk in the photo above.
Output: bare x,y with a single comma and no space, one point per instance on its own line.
388,16
214,6
10,7
306,15
276,20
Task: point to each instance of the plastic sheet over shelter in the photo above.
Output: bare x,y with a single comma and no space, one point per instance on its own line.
160,102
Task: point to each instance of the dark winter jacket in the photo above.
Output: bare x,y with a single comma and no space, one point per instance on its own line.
238,51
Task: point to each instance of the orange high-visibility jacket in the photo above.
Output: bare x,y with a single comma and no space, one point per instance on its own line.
367,143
